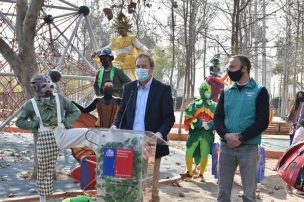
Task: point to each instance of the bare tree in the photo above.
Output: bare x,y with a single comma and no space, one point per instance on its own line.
238,7
23,60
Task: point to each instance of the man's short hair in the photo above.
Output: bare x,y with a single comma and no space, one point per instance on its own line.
244,61
151,61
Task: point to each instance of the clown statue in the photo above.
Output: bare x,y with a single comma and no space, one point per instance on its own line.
126,48
199,122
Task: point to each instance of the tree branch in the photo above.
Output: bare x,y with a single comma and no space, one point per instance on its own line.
21,12
29,25
241,9
217,41
8,53
261,18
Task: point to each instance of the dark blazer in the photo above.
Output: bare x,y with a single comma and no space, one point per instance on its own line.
159,116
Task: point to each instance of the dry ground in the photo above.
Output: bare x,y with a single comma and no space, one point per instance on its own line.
271,189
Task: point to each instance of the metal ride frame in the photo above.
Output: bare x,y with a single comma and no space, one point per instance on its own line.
54,50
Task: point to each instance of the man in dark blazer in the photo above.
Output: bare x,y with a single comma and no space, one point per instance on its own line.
147,105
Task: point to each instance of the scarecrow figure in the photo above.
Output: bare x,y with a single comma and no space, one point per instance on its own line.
199,122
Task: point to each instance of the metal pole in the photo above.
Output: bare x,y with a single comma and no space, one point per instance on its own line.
63,15
69,43
6,121
89,78
61,7
84,58
10,24
68,3
8,1
92,36
85,95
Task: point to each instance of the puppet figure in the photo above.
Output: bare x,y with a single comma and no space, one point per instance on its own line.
199,122
39,114
126,48
215,80
107,107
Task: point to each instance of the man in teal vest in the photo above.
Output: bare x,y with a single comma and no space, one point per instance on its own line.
242,114
109,72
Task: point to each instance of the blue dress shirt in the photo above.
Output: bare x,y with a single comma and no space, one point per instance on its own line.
141,103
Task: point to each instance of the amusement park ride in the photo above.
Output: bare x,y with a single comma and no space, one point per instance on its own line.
56,47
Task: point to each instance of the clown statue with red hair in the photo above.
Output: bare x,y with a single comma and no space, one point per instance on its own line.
199,122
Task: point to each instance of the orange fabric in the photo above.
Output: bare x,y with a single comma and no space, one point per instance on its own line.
222,79
187,122
204,116
270,115
85,120
78,153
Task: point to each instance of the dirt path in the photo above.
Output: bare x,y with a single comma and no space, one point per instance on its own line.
271,189
16,156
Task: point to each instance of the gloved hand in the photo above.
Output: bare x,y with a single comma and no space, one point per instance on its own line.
113,128
205,125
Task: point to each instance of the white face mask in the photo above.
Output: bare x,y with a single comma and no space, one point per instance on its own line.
142,74
207,94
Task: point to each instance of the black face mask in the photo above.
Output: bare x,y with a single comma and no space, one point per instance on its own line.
300,99
105,64
108,92
235,76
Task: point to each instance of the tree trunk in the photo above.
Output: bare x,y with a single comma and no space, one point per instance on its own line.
264,68
24,62
302,55
286,66
173,46
296,62
233,28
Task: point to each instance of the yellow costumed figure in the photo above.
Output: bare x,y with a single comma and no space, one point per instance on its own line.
125,47
199,121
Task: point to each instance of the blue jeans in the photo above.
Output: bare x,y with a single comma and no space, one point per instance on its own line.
246,156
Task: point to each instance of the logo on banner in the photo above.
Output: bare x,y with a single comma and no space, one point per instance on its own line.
110,153
118,162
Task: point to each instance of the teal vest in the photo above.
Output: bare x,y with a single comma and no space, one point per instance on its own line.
240,108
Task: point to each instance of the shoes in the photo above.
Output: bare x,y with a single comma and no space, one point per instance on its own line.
185,175
202,179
